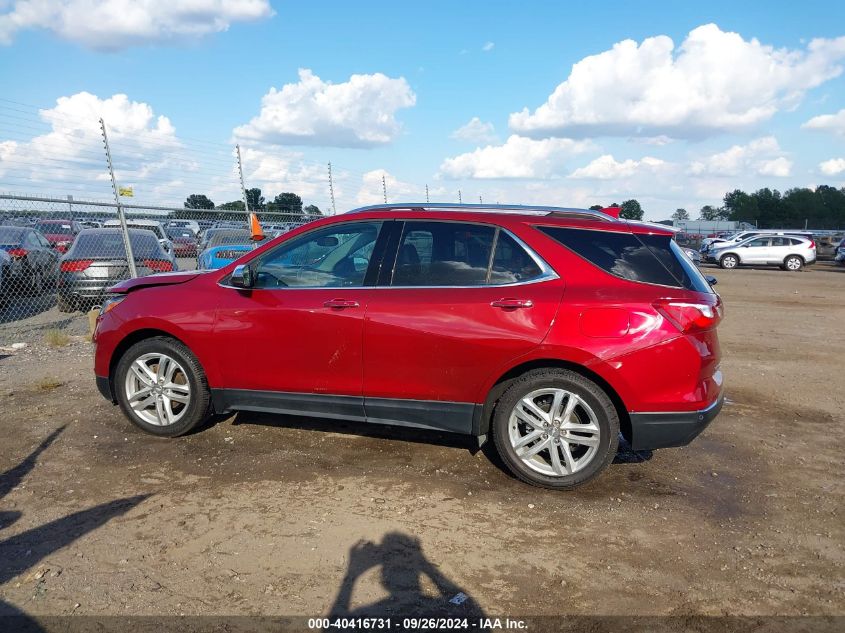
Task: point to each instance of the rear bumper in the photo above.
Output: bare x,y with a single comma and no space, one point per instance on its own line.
104,387
670,429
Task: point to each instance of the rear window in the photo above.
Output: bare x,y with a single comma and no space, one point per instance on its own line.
56,228
10,235
110,244
230,238
652,259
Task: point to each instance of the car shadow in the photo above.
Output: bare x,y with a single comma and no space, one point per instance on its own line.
402,566
16,307
23,551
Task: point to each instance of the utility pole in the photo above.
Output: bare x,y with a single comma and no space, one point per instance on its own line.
384,187
243,189
426,194
70,207
479,200
459,197
331,189
127,244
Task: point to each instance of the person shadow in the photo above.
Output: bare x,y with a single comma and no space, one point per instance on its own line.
403,567
22,552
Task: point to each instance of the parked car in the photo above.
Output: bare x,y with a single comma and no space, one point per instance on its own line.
147,225
97,260
193,225
839,258
208,234
5,271
60,233
33,262
742,236
788,252
184,241
549,330
224,247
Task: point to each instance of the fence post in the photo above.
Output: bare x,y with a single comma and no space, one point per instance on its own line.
331,189
243,189
384,188
127,244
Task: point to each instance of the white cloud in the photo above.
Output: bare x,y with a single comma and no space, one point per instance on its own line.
715,81
275,171
488,46
475,131
606,168
762,156
833,166
518,157
118,24
834,123
357,113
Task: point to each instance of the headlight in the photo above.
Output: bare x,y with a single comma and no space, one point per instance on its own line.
110,303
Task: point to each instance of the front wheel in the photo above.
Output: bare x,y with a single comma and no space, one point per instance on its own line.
161,387
793,263
729,261
556,429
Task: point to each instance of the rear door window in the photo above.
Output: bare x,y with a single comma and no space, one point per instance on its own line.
443,254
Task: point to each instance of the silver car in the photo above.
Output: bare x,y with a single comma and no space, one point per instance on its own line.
787,251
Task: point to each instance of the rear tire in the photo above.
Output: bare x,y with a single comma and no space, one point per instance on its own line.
161,387
585,414
793,263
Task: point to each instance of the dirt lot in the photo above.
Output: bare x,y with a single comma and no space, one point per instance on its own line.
266,515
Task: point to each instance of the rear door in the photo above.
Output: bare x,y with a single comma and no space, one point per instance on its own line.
779,248
456,302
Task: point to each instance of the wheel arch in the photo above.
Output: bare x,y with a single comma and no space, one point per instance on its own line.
799,256
128,341
505,380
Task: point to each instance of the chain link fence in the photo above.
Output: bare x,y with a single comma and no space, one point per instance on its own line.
60,256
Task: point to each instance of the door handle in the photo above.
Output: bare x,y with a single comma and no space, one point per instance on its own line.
512,304
341,303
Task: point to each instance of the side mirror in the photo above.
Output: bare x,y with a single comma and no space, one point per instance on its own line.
711,280
242,277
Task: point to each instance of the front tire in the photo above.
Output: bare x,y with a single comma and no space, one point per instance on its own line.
161,387
729,261
555,428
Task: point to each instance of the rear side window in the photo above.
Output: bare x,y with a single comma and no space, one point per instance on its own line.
511,263
652,259
443,254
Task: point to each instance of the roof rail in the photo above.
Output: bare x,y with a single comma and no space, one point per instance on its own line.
523,209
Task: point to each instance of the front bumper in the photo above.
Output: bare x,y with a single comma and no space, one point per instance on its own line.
670,429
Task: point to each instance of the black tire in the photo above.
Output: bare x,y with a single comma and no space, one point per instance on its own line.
65,305
199,407
605,412
795,262
729,261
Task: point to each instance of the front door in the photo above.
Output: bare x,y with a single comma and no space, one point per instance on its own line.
299,330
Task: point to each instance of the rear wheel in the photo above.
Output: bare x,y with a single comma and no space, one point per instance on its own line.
555,428
161,387
729,261
793,263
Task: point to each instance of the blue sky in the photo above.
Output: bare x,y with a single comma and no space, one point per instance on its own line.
674,124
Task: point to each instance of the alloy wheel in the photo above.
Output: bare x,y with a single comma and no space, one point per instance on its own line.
157,389
554,432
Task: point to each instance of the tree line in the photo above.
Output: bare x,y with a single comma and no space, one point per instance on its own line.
287,202
819,208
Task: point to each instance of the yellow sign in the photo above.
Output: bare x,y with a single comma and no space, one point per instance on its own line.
125,192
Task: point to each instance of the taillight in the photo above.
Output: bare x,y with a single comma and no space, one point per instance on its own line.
75,265
17,253
812,244
158,265
690,316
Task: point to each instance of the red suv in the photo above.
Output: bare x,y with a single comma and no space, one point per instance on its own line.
551,330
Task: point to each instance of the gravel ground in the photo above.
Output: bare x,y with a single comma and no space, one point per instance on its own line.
274,515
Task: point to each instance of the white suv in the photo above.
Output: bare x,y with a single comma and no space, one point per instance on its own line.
787,251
